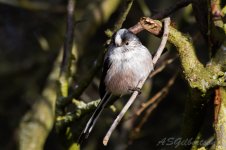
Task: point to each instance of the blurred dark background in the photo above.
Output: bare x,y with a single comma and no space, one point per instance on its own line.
31,37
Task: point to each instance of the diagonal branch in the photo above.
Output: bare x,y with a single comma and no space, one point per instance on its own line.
195,73
180,4
163,66
63,121
154,101
175,7
157,96
140,85
163,42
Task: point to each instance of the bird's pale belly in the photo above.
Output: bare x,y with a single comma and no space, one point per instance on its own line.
122,83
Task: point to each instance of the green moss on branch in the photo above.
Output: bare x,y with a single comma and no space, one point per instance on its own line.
80,109
196,74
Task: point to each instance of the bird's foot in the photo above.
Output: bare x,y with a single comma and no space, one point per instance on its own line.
136,89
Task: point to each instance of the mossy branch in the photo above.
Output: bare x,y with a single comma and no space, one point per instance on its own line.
198,76
83,31
65,73
37,123
80,109
201,79
82,84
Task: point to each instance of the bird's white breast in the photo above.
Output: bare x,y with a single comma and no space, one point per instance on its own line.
127,69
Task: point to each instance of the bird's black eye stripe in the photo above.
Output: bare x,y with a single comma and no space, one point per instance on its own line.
125,39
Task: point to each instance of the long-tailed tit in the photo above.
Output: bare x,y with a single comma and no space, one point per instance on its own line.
127,62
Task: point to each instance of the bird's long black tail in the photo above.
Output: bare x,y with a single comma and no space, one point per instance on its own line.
92,121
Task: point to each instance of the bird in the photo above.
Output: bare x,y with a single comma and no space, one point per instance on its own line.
126,63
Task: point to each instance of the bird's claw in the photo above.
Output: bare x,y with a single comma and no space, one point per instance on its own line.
136,89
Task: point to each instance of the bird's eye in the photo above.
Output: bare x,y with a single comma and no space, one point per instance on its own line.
127,43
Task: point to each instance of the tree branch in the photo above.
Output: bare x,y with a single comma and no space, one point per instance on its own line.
164,40
175,7
200,78
80,108
162,66
196,74
66,61
180,4
154,101
62,121
140,85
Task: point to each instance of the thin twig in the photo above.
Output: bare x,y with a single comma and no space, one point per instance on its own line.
155,72
154,101
67,52
124,110
140,85
175,7
158,95
68,38
162,66
164,40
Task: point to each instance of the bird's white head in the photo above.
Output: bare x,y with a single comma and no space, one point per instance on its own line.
124,37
